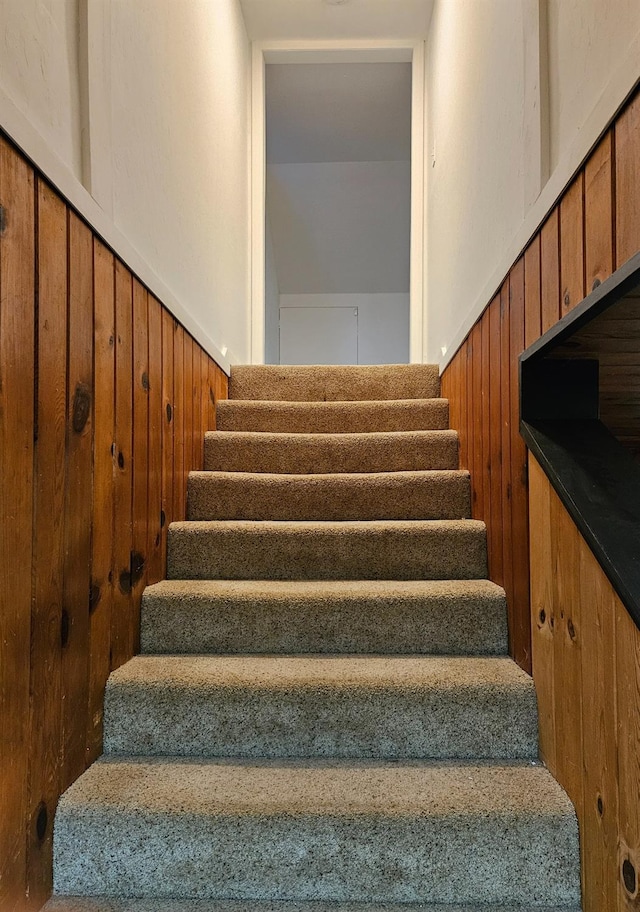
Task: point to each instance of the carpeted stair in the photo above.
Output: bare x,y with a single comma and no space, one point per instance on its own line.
324,717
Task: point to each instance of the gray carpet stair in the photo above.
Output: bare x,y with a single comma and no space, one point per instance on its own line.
329,830
380,707
451,617
324,717
334,497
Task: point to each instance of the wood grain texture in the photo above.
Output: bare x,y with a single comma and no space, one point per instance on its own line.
627,178
122,620
572,246
81,437
496,530
140,452
17,371
506,378
550,311
78,495
532,293
103,491
598,214
157,557
588,687
45,737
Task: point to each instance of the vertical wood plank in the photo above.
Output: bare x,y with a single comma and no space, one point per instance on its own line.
598,202
168,333
179,481
496,564
543,609
532,301
206,396
572,245
103,472
48,541
155,460
211,394
462,392
78,498
519,613
550,271
628,702
485,479
198,393
122,621
505,421
478,437
627,171
471,444
17,371
188,405
567,658
140,515
599,823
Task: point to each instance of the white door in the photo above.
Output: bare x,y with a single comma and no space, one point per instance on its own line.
318,335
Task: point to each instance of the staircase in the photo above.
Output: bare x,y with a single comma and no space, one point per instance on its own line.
324,713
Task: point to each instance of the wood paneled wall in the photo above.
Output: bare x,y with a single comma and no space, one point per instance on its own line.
594,228
586,656
104,400
586,649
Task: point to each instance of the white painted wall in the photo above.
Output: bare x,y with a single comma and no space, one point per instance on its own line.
340,227
39,70
587,41
179,77
383,322
488,120
474,116
166,92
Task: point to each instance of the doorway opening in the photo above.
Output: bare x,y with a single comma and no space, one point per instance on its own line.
338,213
337,204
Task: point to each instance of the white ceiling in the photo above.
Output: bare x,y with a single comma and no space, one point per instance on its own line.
338,112
279,20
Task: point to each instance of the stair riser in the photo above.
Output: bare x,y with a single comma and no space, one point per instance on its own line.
313,722
385,625
346,383
301,857
315,454
263,552
330,498
332,418
110,904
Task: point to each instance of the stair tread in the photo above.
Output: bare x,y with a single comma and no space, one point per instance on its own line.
335,788
263,451
267,673
336,382
285,590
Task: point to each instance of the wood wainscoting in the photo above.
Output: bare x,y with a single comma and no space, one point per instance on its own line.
104,400
593,229
586,662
